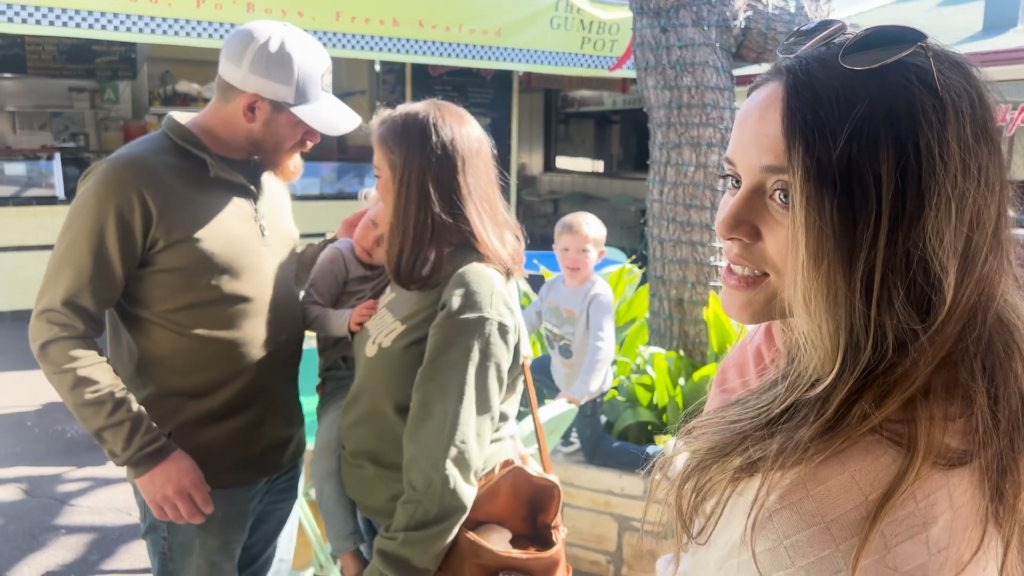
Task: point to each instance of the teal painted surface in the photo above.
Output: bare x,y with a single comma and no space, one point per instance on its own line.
308,378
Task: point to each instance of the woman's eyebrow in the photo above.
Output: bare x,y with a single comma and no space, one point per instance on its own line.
772,169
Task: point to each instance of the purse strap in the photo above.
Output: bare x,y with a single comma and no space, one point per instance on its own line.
542,442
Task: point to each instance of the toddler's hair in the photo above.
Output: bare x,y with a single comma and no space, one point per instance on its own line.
369,196
585,224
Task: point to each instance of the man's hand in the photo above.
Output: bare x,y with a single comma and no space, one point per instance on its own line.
361,314
348,225
572,399
176,491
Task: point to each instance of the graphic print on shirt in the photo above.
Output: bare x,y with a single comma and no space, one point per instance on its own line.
383,328
559,329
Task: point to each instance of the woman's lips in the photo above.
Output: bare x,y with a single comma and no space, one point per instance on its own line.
742,278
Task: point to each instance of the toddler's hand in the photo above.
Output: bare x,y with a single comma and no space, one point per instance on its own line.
353,563
569,397
361,315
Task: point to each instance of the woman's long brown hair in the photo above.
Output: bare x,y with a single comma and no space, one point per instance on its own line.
447,193
907,317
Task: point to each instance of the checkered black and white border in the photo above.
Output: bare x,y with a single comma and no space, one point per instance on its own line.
72,19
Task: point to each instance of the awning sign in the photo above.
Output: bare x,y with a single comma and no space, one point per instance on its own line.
553,36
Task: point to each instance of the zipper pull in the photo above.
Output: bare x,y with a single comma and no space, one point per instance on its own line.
259,219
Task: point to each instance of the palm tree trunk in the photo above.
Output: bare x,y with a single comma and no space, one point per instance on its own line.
684,52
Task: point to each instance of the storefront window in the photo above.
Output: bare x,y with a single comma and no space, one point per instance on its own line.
339,180
597,133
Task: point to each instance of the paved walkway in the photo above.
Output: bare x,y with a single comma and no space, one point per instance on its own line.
64,509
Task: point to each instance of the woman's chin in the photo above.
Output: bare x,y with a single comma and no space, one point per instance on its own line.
745,309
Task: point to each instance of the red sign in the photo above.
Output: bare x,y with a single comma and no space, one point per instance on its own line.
1007,116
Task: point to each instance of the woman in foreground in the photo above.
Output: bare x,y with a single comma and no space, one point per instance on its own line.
864,223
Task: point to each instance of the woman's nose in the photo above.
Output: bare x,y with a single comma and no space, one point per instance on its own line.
737,217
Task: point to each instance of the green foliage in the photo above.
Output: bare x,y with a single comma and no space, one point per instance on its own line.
655,390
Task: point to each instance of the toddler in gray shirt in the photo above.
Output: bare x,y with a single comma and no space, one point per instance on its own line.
340,297
576,310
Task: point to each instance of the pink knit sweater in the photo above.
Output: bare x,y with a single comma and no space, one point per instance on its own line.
812,524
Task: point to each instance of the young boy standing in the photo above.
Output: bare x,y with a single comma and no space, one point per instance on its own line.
340,298
577,311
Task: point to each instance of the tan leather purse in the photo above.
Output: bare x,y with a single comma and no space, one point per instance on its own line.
523,500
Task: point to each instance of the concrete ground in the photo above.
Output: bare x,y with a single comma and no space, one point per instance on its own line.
64,509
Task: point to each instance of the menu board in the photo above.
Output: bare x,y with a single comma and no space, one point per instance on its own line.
12,54
73,58
486,94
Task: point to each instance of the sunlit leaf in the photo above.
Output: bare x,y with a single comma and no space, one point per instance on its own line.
662,380
643,389
635,307
721,331
634,339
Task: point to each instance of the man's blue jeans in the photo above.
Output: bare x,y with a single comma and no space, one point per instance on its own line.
597,446
238,539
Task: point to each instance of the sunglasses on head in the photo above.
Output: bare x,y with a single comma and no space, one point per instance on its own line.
869,49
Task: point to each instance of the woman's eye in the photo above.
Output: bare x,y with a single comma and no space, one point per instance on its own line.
781,196
731,182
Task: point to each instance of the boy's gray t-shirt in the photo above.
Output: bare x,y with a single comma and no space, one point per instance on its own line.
339,282
579,329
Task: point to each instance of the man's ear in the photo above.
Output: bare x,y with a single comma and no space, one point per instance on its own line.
253,108
601,253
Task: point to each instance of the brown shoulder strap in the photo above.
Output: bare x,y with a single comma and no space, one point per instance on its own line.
542,443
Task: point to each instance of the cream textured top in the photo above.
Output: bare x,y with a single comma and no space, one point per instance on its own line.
811,526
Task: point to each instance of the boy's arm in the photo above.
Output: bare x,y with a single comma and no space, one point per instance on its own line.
533,314
601,350
325,285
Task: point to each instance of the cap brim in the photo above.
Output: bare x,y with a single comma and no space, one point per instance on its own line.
328,115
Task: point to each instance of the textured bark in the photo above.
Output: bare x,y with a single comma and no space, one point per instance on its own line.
684,52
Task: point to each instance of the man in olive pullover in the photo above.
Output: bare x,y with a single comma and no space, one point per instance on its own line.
185,240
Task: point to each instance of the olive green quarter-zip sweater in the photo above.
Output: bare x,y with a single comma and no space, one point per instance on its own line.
432,409
198,272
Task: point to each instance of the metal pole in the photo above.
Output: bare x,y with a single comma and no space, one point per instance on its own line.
408,82
513,156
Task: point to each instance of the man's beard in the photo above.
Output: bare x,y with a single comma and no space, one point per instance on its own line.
289,168
286,165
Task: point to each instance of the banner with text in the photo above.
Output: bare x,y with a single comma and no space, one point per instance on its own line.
553,36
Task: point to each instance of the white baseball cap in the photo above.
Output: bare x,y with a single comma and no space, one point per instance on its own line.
284,63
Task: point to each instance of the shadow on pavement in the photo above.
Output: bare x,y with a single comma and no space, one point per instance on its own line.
15,354
55,485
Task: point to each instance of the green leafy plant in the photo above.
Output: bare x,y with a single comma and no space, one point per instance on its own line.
655,390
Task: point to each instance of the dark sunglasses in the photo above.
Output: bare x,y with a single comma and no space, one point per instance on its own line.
870,48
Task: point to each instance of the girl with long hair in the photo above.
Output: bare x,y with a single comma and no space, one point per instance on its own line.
439,367
864,223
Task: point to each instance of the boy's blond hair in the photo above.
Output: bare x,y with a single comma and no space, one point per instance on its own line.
584,224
